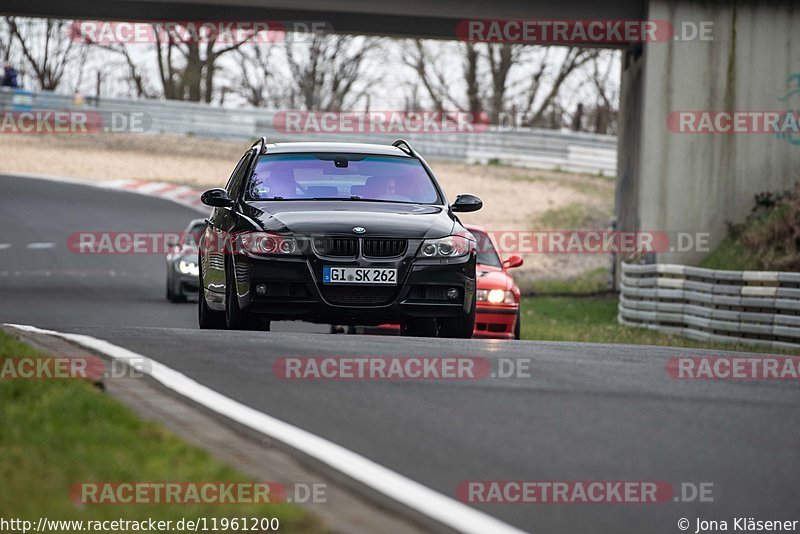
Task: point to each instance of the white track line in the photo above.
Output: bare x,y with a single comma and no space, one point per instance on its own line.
40,246
438,507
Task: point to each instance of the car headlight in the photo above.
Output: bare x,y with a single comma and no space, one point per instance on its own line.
495,296
452,246
188,267
267,243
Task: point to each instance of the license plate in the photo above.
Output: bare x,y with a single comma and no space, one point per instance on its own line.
359,275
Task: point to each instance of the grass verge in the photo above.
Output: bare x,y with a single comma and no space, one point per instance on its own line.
55,433
767,240
594,320
590,282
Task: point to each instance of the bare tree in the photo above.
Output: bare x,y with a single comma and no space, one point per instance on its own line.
607,94
5,42
496,77
256,82
471,74
46,48
502,58
537,108
134,73
421,57
327,72
187,66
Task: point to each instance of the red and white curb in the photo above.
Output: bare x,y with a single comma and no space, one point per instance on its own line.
181,194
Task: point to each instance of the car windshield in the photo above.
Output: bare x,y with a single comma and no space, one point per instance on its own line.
487,255
331,176
193,234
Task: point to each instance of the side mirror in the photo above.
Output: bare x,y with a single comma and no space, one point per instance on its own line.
216,198
467,203
512,261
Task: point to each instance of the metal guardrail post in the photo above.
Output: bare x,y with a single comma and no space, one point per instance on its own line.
525,147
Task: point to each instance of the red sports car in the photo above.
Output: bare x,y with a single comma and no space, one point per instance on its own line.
498,296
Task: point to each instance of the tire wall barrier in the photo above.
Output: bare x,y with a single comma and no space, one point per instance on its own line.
750,307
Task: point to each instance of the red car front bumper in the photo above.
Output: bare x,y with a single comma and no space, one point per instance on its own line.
496,322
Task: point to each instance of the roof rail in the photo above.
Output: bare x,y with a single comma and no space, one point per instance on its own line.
263,143
408,150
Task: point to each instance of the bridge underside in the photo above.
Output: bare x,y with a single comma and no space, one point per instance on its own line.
410,18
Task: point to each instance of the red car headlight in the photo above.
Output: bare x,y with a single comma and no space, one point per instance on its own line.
495,296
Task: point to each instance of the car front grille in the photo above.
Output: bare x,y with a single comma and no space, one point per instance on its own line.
243,271
216,260
359,295
384,248
340,247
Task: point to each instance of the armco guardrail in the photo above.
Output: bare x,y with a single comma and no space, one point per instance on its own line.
524,147
752,307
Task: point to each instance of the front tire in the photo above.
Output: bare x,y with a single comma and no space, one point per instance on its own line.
517,327
235,317
207,318
419,328
461,327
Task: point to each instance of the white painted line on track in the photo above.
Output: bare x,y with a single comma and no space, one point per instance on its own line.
4,246
416,496
40,246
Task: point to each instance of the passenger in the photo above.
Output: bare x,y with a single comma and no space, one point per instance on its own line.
381,188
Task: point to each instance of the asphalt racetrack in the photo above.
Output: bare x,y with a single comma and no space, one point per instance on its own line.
586,412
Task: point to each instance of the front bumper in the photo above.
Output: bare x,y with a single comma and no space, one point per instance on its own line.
295,290
495,322
188,283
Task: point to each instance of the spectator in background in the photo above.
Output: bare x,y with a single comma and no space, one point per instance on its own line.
9,76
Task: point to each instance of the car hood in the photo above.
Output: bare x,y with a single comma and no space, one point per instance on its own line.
384,219
493,278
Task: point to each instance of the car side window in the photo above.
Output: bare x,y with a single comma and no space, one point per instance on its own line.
235,182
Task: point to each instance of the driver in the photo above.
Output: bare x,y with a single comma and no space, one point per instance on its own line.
271,183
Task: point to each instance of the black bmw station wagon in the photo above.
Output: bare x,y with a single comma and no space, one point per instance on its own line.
341,233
